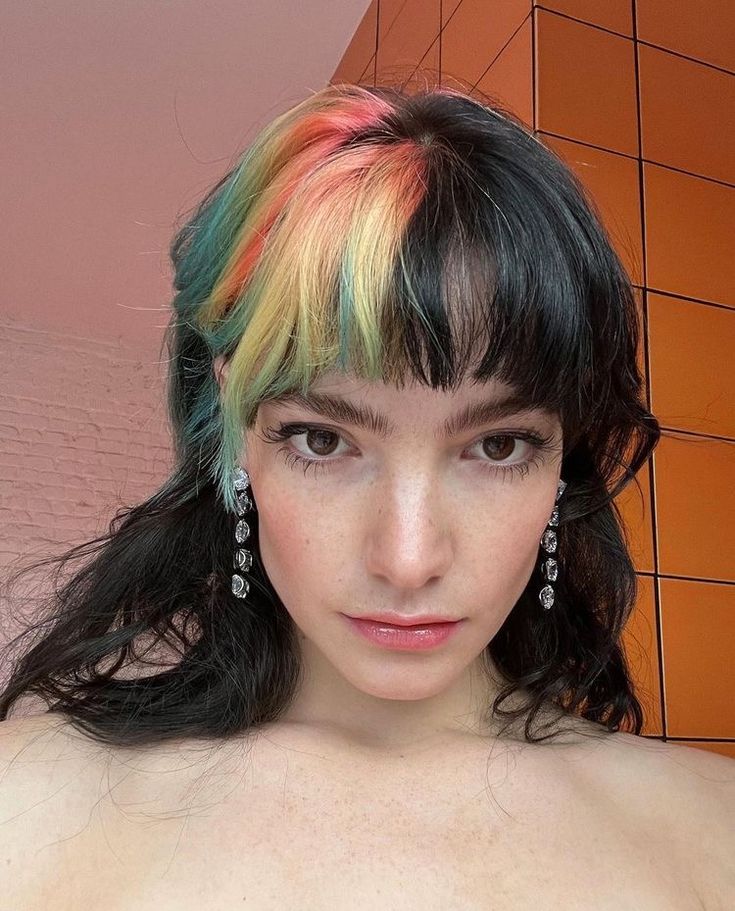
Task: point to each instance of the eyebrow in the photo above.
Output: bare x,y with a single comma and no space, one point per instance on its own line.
346,412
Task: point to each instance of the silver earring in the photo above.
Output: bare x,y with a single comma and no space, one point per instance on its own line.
243,558
549,566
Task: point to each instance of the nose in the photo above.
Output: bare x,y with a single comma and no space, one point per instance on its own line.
409,541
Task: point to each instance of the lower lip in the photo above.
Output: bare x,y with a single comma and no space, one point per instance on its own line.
405,638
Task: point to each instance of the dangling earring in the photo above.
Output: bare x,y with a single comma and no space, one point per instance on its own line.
243,558
549,567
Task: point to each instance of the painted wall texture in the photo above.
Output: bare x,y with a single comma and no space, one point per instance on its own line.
637,97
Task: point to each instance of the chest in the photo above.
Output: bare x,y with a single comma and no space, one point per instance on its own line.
299,834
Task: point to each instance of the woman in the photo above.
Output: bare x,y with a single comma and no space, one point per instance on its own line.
387,567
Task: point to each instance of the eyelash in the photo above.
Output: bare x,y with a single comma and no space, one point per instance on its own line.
542,444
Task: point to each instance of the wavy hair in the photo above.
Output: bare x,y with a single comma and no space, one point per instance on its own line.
396,234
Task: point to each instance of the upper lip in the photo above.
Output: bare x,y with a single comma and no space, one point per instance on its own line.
401,620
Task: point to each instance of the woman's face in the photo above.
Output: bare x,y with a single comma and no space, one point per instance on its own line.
406,516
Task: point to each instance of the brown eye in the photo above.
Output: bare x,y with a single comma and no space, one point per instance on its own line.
499,447
318,441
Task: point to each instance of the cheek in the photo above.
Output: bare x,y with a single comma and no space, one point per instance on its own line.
502,553
285,544
300,547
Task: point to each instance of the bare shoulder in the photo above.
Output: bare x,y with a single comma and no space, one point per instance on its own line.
688,775
36,746
70,804
40,754
46,761
44,781
687,796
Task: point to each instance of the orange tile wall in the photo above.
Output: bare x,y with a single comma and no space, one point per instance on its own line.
637,96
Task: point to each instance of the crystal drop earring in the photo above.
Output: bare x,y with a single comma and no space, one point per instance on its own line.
243,557
549,566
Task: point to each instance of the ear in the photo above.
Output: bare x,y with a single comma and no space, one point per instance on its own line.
221,368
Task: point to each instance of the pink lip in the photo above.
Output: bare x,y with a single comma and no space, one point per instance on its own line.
404,637
400,620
